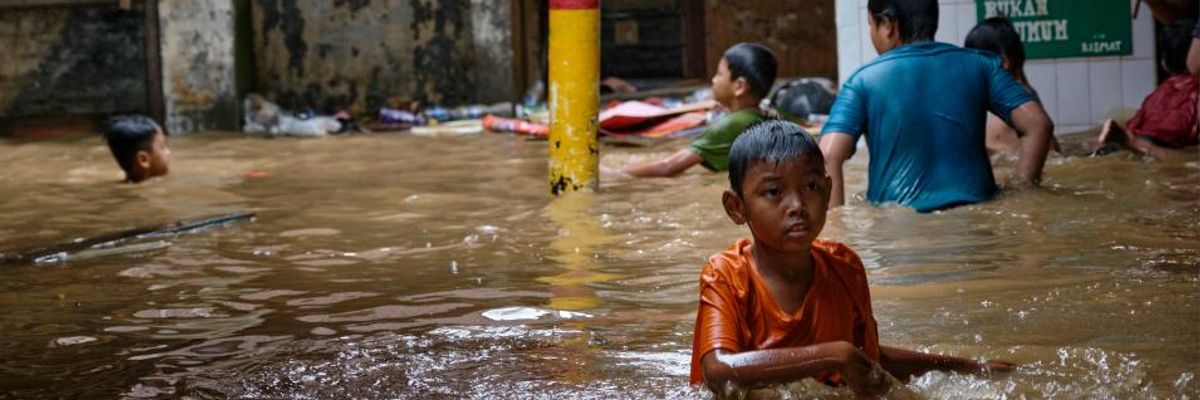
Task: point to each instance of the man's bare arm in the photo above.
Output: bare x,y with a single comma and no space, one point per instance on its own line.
1037,130
837,147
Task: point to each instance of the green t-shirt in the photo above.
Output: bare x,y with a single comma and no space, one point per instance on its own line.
714,145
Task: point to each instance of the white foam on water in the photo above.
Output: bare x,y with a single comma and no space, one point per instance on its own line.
529,313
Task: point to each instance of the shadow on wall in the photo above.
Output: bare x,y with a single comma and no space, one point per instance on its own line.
85,60
358,55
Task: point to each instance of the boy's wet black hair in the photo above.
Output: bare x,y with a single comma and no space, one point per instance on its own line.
756,64
772,140
1174,41
997,35
126,135
918,19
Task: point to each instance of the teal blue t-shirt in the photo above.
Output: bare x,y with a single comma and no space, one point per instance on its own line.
923,108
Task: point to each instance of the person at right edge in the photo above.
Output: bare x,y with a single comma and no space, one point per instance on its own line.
923,107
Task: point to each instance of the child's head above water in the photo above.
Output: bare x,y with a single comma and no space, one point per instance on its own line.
745,75
998,35
139,146
778,185
1174,41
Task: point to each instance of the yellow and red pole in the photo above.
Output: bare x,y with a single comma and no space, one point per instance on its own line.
574,95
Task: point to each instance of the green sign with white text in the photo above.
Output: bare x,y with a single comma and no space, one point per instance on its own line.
1066,28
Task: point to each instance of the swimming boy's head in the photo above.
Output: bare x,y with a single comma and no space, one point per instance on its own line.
778,185
139,146
998,35
898,22
1174,41
747,72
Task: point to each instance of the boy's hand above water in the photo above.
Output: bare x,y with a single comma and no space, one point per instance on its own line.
863,375
904,364
762,367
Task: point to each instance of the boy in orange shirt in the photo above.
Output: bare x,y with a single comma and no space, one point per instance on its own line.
789,306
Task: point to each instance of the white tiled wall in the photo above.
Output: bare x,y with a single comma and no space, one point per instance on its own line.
1078,93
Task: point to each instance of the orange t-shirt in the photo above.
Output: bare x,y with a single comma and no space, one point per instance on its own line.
737,312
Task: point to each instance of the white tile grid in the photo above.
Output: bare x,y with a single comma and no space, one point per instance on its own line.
845,14
1045,81
947,29
966,21
868,49
1137,80
1107,98
849,49
1074,105
1143,34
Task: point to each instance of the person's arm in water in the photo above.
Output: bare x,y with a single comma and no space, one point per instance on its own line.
670,166
1003,137
863,375
904,364
761,367
837,147
1037,131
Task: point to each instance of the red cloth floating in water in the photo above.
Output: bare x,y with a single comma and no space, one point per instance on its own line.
1168,115
644,119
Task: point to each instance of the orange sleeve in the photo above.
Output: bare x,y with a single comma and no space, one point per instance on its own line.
866,331
717,320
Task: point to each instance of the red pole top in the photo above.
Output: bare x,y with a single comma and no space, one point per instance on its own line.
574,4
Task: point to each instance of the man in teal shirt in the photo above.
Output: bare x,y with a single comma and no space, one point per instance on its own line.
923,107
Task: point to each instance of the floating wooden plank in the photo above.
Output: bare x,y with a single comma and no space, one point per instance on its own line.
60,252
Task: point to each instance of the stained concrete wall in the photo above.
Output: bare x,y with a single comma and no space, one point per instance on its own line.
328,55
81,60
198,65
491,28
356,55
85,61
642,39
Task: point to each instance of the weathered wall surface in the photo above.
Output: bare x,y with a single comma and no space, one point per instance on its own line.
198,67
642,39
356,55
802,33
491,29
79,60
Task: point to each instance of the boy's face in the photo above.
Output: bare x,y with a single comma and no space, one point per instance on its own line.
784,203
724,87
155,161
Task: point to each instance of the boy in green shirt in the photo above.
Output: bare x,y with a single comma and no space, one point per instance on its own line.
744,77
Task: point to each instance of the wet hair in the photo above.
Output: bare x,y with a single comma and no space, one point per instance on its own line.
917,19
772,140
1174,41
756,64
126,135
997,35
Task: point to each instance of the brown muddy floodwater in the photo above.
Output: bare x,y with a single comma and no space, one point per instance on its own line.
391,266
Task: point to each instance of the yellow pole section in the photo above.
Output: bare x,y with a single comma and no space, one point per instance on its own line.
574,95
